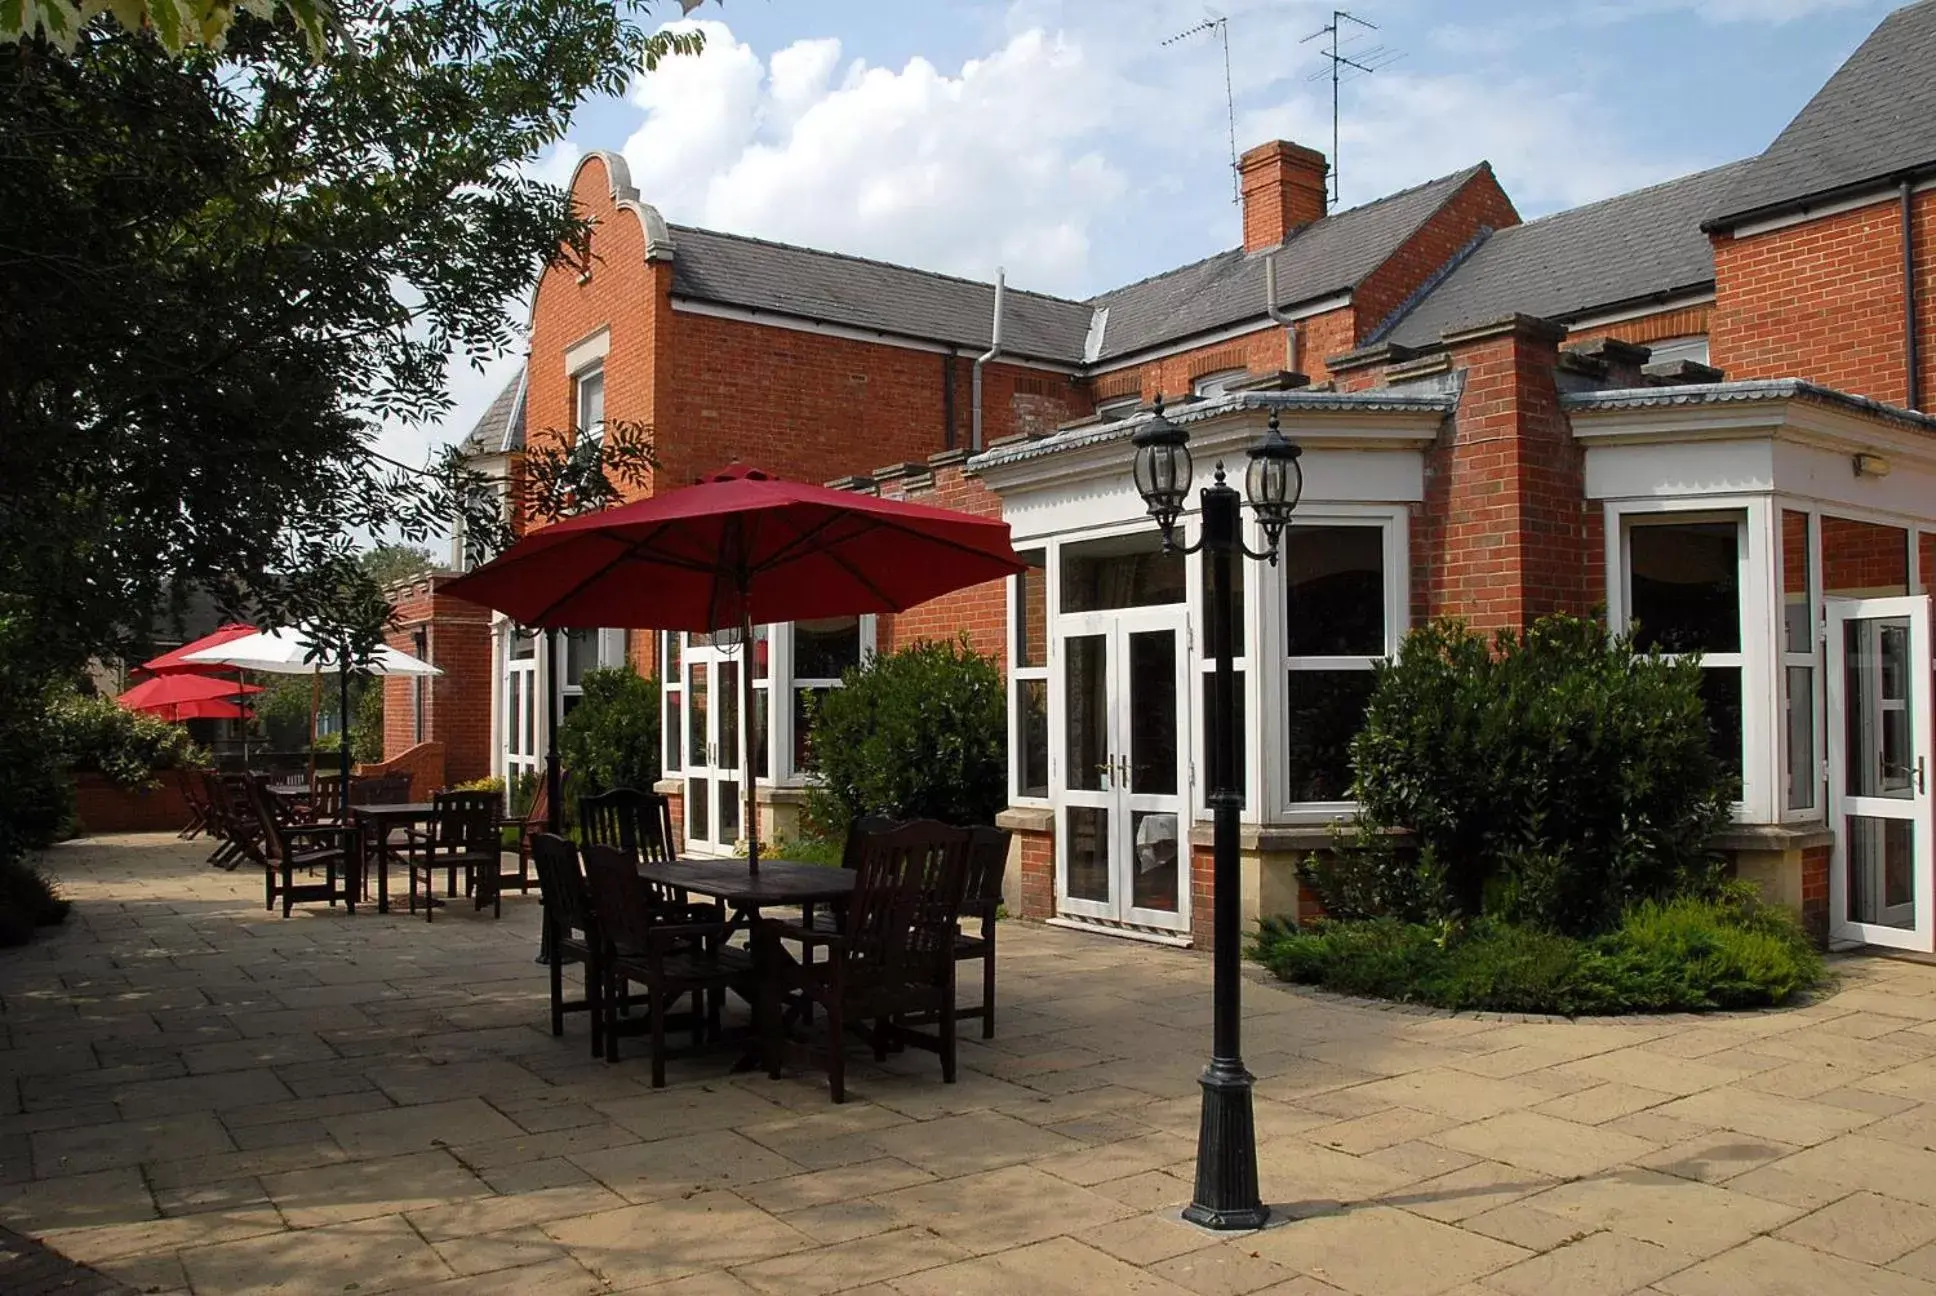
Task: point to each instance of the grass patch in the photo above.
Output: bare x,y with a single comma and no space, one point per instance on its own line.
1689,954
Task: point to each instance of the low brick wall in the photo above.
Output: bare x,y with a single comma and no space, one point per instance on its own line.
424,763
101,807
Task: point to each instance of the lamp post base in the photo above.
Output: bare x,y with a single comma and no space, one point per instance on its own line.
1226,1193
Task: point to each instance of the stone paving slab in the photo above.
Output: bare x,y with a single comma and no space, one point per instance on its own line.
199,1096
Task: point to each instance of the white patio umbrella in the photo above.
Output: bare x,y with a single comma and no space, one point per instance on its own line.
291,652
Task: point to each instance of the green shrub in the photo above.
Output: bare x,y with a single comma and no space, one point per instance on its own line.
611,738
99,735
30,893
1551,778
916,734
1684,955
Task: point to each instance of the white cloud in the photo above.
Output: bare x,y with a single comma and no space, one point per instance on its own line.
997,163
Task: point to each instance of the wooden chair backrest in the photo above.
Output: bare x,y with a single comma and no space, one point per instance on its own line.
268,815
465,823
900,926
621,903
327,799
561,881
987,865
858,831
612,819
383,789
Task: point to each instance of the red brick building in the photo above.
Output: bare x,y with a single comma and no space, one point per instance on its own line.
1691,407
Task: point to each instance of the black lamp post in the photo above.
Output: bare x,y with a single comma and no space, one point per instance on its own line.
1226,1194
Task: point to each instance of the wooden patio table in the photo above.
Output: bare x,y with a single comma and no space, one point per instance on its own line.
779,883
375,823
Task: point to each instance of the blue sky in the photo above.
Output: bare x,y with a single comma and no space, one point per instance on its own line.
1059,139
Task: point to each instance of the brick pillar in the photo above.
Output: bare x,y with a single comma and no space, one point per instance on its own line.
1504,532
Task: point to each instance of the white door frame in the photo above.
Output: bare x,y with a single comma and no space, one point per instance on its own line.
712,757
1913,806
1116,795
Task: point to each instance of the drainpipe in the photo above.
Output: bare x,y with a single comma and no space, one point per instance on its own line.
994,349
1272,309
1910,359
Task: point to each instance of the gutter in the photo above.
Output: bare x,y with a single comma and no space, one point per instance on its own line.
994,349
1279,315
1911,359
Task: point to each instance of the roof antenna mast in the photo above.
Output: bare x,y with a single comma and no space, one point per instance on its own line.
1219,25
1361,61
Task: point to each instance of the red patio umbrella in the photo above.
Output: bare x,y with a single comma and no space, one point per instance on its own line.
739,548
213,709
164,693
172,662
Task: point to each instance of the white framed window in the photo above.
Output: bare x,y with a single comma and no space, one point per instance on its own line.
1684,581
1345,605
1028,680
585,650
672,709
1118,407
819,652
1217,383
1692,347
588,400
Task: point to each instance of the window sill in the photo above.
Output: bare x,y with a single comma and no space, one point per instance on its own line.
1280,838
1773,837
1029,819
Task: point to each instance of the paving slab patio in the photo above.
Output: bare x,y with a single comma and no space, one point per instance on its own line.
200,1096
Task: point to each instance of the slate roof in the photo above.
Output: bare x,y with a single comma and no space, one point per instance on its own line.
501,426
1618,250
1874,120
1326,257
832,288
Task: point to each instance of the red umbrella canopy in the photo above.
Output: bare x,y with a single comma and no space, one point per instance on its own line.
164,693
739,545
172,661
214,709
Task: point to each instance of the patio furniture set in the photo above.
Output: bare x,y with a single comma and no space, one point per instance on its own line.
869,947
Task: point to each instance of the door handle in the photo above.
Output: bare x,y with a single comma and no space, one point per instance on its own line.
1123,762
1108,770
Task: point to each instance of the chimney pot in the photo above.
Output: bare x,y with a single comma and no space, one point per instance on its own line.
1284,190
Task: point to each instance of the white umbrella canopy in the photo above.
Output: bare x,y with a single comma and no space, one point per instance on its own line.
288,652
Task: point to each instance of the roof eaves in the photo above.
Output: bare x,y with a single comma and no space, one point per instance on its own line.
1746,391
1803,204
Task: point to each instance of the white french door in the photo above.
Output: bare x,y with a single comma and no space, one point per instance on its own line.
713,799
1884,864
1123,851
521,705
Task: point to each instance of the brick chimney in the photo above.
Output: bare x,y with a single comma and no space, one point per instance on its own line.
1283,185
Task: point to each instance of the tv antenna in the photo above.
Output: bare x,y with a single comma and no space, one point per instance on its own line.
1218,25
1365,61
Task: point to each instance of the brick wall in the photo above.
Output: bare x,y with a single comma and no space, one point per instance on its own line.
1203,898
424,762
102,807
1479,204
1815,864
980,611
1038,874
456,704
1822,300
1688,321
1859,557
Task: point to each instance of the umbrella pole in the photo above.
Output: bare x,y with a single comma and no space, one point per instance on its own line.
746,747
315,711
248,714
554,776
343,748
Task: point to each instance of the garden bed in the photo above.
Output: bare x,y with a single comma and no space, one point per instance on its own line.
1684,955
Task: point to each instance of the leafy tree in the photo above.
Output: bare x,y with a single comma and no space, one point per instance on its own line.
387,564
225,267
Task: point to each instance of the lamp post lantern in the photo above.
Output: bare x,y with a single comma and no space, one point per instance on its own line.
1226,1195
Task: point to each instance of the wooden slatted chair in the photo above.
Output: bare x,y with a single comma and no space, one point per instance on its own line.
981,898
670,959
463,838
894,960
572,934
640,824
286,847
194,795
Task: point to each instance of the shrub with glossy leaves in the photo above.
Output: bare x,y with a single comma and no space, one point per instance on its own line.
915,734
98,734
1552,777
